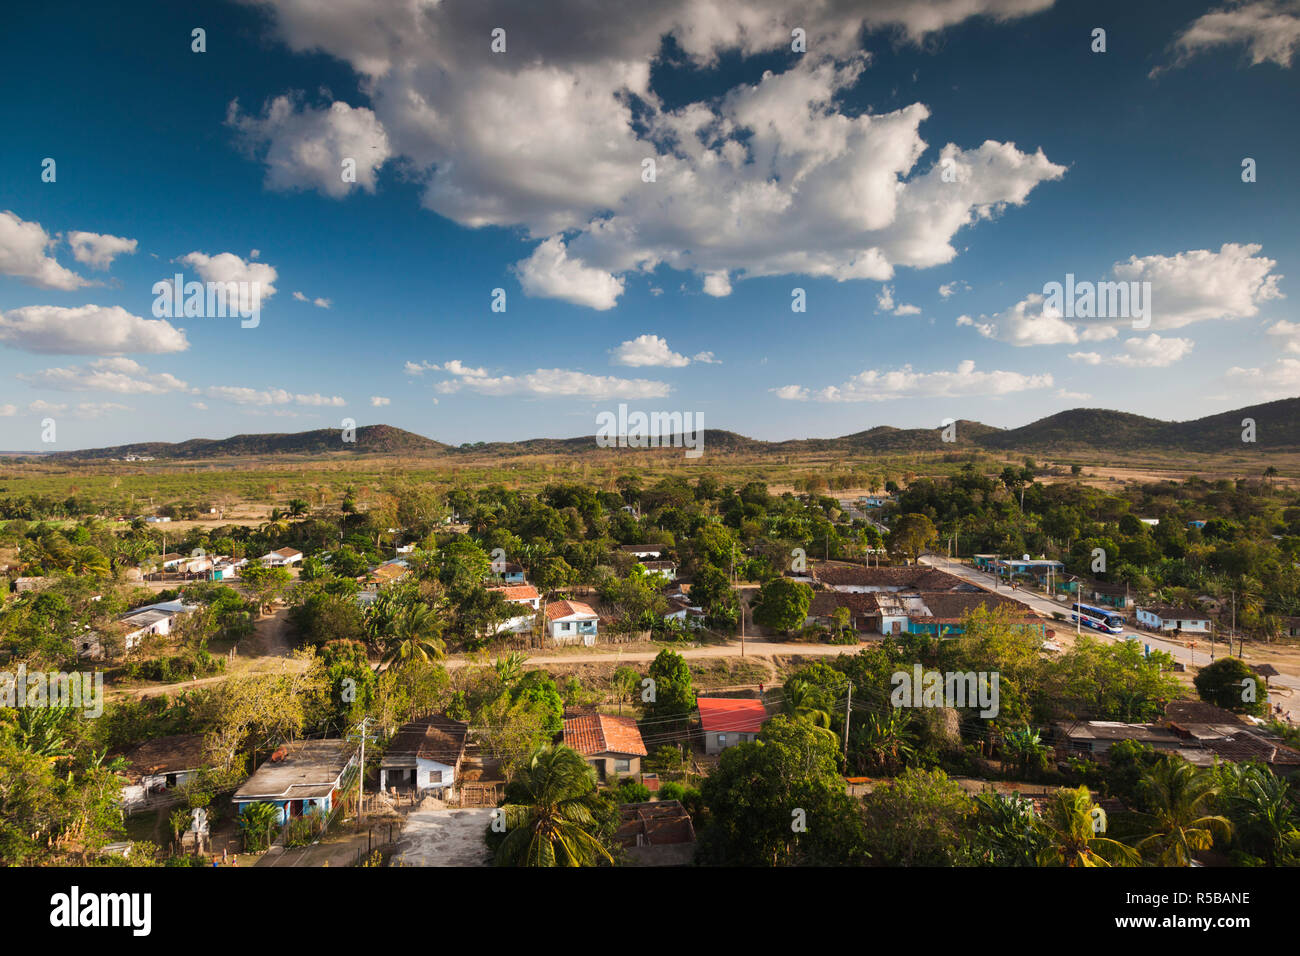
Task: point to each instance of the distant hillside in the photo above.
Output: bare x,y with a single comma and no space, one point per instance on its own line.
1277,426
370,439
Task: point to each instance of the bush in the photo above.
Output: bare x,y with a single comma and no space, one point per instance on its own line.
629,791
671,791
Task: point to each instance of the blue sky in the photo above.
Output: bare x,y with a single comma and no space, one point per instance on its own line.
522,170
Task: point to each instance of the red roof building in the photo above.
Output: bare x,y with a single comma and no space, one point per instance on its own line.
728,721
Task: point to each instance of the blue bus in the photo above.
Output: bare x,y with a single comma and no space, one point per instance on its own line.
1099,619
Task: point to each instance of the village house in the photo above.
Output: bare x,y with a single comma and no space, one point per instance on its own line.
860,579
1108,595
385,574
643,551
162,764
1163,617
301,777
425,754
281,558
658,833
939,613
611,744
1094,738
571,622
524,595
152,619
667,570
727,721
681,610
511,573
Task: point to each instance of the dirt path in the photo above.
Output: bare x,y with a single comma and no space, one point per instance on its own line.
270,637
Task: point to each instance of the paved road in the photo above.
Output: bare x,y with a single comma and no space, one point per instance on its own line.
1192,657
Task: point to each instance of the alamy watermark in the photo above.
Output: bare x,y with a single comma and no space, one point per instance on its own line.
921,688
652,430
54,689
1100,300
175,298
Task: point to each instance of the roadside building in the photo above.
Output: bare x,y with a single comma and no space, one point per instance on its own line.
1164,617
571,622
301,777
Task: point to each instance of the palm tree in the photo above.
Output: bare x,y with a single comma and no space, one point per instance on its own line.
1074,825
510,668
1268,823
551,823
886,740
1180,796
88,560
297,507
259,819
415,635
807,702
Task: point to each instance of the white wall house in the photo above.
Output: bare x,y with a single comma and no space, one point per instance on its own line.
571,622
152,619
281,558
529,601
1181,619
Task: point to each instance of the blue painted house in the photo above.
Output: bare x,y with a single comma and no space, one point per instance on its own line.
301,778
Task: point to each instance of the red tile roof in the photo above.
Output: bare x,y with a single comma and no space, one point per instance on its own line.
592,734
741,715
517,592
557,609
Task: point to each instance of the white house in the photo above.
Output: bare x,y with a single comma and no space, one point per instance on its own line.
667,570
1165,618
161,764
680,609
643,550
281,558
524,595
424,754
152,619
571,622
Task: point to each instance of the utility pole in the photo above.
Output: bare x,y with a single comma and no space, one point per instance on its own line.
742,625
848,713
361,731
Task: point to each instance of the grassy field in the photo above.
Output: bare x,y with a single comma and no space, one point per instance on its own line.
245,488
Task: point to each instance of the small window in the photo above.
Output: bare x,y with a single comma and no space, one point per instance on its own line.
722,740
622,766
435,776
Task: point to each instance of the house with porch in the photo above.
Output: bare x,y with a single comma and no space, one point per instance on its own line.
571,622
611,744
301,777
424,755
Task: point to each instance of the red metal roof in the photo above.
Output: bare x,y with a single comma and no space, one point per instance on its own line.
741,715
